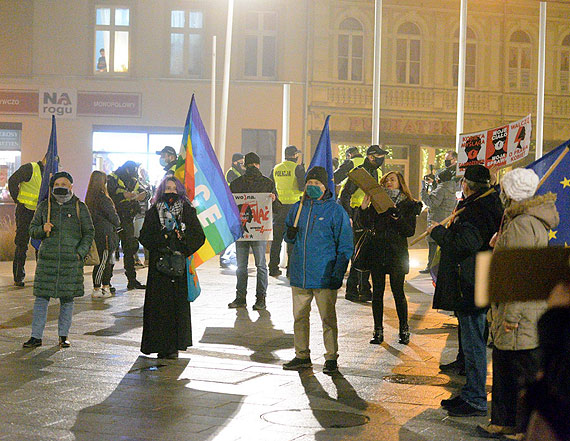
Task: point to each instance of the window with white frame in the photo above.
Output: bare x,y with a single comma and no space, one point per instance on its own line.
112,25
565,65
186,42
520,48
470,59
350,58
260,44
408,54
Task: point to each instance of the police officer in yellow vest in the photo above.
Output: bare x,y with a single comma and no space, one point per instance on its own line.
24,187
357,284
237,169
126,192
289,178
168,159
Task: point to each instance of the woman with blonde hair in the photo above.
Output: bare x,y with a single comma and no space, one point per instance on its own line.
384,250
106,221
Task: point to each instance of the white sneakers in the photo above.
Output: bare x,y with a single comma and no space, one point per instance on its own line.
101,293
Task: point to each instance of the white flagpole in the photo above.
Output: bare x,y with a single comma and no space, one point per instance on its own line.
461,72
286,114
377,72
540,91
213,96
226,85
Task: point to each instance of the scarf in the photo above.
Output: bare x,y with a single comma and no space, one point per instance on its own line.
165,212
396,195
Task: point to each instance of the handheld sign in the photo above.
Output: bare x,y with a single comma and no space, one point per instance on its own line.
378,196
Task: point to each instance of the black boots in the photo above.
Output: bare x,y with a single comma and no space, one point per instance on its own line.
404,335
377,337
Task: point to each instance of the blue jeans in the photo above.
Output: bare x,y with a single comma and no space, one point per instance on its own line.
242,255
475,350
40,316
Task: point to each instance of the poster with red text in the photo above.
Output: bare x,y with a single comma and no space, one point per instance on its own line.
498,146
256,215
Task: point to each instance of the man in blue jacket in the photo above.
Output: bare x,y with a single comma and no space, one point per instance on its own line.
322,248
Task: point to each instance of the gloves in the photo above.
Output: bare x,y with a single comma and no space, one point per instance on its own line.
292,232
393,212
335,283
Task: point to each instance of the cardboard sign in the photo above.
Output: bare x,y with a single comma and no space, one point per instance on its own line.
256,215
499,146
378,196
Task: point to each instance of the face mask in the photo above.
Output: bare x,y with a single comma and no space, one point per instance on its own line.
61,194
163,162
377,162
170,198
447,162
314,191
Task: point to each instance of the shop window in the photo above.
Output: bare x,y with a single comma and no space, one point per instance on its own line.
112,28
565,65
262,142
470,59
397,160
520,58
350,58
408,54
260,44
186,42
10,148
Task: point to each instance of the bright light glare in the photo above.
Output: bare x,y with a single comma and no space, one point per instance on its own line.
414,263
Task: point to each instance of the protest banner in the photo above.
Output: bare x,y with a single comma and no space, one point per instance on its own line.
256,215
498,146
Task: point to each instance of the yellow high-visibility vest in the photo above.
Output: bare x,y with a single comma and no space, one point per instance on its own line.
358,196
30,190
286,182
236,171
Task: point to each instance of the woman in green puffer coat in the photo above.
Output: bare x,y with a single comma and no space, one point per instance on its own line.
66,239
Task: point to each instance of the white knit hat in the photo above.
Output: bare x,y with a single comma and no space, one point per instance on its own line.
519,184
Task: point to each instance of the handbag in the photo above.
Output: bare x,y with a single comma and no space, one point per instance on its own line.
92,257
172,265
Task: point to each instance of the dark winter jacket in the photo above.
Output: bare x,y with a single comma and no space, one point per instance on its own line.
385,245
252,181
59,270
323,244
469,233
106,221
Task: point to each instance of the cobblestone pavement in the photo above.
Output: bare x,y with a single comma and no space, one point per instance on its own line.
230,384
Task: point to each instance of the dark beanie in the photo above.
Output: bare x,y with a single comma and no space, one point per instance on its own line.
61,174
236,157
320,174
251,158
290,151
478,173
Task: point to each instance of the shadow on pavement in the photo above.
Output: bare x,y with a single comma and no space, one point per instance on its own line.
259,336
125,321
17,369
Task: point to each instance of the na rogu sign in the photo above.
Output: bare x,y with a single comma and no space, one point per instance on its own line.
59,102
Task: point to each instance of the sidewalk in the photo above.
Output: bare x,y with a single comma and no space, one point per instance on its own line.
230,384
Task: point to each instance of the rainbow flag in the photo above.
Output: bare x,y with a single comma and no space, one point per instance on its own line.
199,170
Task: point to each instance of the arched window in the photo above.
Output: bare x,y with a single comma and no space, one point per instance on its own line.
519,61
408,54
350,50
565,65
470,58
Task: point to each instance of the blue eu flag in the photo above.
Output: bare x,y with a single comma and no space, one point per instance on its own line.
558,183
323,155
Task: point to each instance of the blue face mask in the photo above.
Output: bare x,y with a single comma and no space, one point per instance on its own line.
314,191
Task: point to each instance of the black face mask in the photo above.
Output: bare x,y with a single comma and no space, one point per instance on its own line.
447,162
170,198
377,162
61,191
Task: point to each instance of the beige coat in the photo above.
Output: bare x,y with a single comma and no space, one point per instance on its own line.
525,225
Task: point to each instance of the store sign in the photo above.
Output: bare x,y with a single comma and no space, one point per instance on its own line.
10,139
109,104
404,125
20,102
59,102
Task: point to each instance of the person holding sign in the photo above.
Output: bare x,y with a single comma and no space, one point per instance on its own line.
384,249
320,232
252,182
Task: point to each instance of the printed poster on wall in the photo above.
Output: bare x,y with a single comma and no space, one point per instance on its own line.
256,215
499,146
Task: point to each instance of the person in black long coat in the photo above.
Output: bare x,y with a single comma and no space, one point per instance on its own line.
170,225
384,250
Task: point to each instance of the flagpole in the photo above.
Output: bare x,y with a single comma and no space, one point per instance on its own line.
213,96
226,85
461,72
377,72
286,115
540,91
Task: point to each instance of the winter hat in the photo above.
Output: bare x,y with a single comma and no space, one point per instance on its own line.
477,173
519,184
320,174
251,158
236,157
61,174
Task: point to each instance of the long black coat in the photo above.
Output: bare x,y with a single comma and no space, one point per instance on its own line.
106,221
466,236
386,245
166,318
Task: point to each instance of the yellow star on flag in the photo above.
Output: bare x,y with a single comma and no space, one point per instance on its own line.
565,183
566,245
552,234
